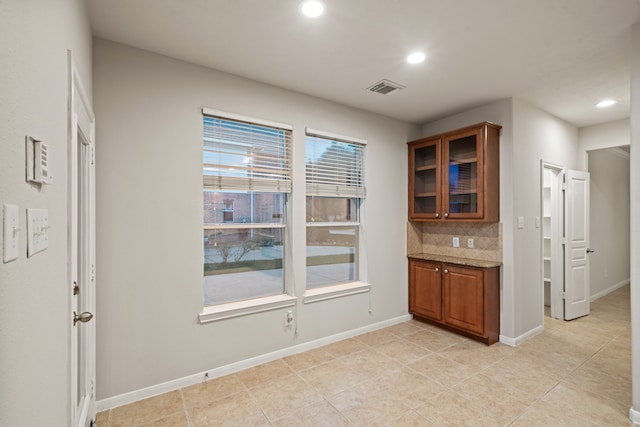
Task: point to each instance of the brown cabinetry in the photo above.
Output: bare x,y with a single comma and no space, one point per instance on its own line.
459,298
455,175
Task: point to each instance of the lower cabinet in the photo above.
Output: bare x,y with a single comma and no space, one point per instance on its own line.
458,298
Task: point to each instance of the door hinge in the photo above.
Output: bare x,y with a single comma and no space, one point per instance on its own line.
564,295
563,240
93,155
93,272
564,186
76,288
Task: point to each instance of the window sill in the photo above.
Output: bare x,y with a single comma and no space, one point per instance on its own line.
336,291
243,308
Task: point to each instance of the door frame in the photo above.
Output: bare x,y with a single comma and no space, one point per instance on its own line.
81,122
557,257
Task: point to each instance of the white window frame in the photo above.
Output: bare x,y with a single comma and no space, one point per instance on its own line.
360,285
233,309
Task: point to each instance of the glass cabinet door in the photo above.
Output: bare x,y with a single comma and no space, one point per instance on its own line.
463,176
425,194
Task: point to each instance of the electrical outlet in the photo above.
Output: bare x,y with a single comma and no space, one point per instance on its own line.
456,242
470,243
288,318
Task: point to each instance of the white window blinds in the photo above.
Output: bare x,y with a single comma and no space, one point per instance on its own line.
335,168
243,155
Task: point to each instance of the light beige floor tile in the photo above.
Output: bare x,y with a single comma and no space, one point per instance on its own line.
361,409
344,347
583,405
601,383
531,382
370,363
434,341
411,419
264,373
402,383
475,354
376,337
308,359
402,351
442,370
541,414
317,414
102,419
556,366
403,329
232,411
449,409
147,410
175,420
212,390
332,377
278,397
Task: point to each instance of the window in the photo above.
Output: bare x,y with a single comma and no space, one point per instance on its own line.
335,190
247,178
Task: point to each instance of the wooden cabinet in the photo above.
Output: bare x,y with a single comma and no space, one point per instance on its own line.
456,175
459,298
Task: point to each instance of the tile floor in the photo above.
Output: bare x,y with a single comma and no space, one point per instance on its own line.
576,373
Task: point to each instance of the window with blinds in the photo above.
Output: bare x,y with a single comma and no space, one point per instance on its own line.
335,188
249,156
335,168
247,177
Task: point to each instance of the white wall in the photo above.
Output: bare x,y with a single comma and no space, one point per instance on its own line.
605,135
635,216
537,136
34,293
609,209
149,234
528,135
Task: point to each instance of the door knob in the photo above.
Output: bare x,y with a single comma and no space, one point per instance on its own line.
82,317
590,251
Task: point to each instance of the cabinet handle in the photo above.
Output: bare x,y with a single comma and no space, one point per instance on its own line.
446,215
437,215
446,271
437,269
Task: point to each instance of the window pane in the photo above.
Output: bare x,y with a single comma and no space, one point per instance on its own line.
332,209
242,263
245,207
331,255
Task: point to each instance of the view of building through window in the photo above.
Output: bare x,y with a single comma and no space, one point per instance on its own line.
246,172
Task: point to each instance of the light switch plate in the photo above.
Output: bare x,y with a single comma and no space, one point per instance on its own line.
456,242
520,222
37,230
11,227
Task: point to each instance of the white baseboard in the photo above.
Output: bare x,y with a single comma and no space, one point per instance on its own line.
514,342
634,416
609,290
134,396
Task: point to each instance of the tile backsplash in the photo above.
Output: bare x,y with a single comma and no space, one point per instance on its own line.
437,238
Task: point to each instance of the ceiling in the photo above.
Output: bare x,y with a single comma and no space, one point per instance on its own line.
560,55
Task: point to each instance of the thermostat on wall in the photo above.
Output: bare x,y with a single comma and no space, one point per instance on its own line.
38,161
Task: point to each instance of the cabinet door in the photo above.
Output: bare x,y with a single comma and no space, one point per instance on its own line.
425,180
463,176
464,298
425,290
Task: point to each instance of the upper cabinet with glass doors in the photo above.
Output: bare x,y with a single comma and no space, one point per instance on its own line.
456,175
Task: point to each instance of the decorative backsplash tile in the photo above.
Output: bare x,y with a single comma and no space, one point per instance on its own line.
437,238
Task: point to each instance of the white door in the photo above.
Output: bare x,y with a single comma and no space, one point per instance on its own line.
576,254
81,254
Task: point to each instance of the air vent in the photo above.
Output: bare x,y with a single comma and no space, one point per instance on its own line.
385,87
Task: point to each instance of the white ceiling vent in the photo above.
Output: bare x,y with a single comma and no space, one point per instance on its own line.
385,87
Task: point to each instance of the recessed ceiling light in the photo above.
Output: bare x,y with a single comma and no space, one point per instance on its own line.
416,58
605,103
312,8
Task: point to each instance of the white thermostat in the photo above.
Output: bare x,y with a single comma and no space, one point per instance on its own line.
38,161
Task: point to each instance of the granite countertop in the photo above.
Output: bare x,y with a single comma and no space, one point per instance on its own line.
470,262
